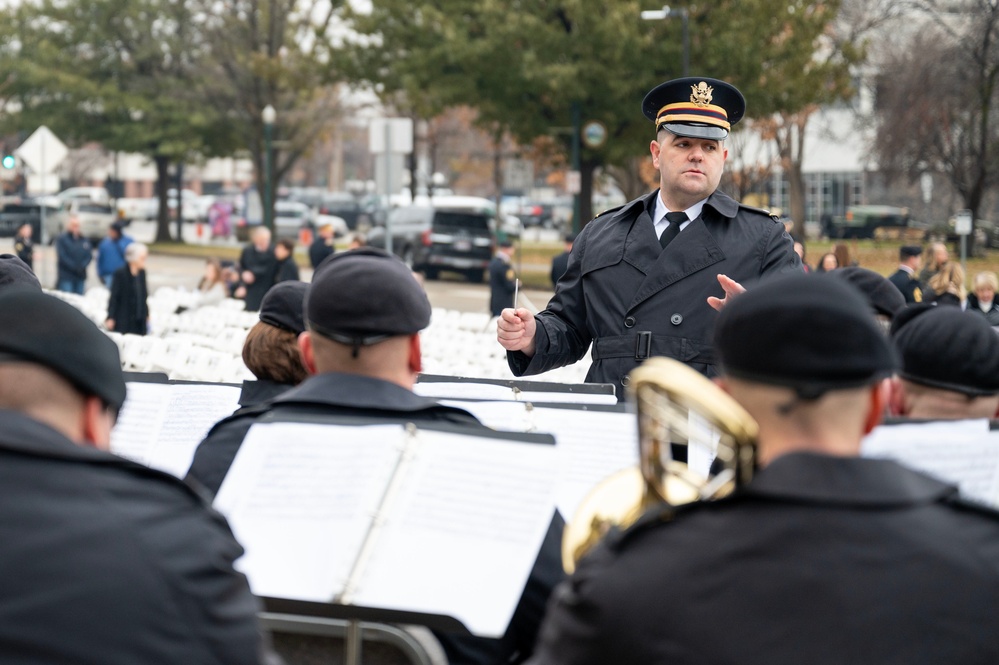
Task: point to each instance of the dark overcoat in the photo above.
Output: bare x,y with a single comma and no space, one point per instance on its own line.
107,561
632,299
821,560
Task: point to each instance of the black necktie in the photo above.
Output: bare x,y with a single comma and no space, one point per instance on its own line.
675,219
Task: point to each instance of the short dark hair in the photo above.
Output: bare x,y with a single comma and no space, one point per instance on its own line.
287,244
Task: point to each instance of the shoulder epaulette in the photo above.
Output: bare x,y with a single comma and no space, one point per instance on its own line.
610,210
762,211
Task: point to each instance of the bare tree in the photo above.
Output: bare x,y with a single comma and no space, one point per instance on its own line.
937,100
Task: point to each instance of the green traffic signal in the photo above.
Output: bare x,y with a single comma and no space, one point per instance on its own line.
9,162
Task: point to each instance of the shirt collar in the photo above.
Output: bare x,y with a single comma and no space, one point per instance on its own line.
660,210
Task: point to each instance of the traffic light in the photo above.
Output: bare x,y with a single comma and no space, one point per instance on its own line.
8,161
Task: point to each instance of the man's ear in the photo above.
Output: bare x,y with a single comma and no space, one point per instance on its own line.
96,424
722,383
896,397
415,354
308,354
654,149
878,400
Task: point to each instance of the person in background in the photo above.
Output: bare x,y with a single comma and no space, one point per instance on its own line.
799,249
358,240
287,269
982,299
322,246
946,286
842,253
935,257
127,308
73,253
230,276
24,246
111,253
212,288
561,262
950,365
258,265
884,298
502,278
910,258
270,350
104,560
827,263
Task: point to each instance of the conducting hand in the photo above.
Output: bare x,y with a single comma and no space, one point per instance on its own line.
732,289
515,329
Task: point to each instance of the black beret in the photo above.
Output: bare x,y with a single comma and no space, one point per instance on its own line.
883,296
364,296
944,347
15,272
907,251
55,334
813,333
695,106
282,306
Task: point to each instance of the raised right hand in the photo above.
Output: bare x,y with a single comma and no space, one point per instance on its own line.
515,330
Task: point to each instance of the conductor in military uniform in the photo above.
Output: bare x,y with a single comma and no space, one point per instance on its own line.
502,279
823,557
646,279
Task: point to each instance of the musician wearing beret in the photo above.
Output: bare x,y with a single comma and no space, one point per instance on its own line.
104,560
646,279
822,557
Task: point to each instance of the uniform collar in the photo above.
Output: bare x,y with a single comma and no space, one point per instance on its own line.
360,392
23,434
814,478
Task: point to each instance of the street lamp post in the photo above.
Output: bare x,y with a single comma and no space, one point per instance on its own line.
668,12
269,115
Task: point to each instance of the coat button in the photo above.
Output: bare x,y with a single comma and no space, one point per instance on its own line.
629,322
625,380
676,319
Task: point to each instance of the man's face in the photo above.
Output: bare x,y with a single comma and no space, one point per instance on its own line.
689,169
985,293
73,225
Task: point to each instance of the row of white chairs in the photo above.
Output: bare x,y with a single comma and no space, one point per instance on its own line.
205,343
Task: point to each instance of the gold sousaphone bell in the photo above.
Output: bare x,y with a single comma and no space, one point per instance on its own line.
677,407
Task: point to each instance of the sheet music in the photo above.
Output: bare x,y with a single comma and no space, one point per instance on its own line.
464,532
591,444
161,425
564,398
963,452
299,498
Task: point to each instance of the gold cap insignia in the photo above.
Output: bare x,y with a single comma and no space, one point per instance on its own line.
700,94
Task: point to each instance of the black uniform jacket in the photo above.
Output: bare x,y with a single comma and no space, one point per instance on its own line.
106,561
263,265
127,302
819,560
634,300
352,395
908,285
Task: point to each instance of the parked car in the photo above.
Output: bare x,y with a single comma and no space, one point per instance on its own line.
95,219
14,214
537,214
289,218
863,221
345,206
444,235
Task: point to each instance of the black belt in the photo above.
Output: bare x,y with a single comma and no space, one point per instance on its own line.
643,344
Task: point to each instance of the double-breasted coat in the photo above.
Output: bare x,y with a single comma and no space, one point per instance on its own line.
632,299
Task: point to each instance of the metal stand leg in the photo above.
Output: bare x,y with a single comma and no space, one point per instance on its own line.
352,643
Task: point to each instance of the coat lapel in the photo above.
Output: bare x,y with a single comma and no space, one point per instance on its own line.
693,250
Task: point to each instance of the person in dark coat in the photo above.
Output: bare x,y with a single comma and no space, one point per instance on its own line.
286,268
646,279
823,557
322,246
910,259
258,267
24,246
127,308
73,255
502,278
560,263
104,560
982,299
363,313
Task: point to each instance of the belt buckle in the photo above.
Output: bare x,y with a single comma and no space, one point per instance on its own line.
643,344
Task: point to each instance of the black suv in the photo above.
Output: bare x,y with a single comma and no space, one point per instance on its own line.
431,238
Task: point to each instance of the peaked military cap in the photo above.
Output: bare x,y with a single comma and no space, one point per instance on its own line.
695,106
